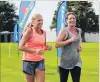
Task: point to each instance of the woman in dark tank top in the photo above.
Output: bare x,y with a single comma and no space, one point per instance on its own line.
69,39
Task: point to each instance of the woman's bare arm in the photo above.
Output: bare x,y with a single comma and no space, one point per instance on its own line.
23,41
59,41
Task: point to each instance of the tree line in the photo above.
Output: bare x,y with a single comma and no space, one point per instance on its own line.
87,20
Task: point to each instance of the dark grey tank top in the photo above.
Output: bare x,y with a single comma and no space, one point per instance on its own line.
70,56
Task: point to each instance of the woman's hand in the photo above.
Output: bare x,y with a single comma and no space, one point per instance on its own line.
39,51
74,38
79,49
48,47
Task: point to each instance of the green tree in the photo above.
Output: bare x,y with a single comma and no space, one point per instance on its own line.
87,20
8,16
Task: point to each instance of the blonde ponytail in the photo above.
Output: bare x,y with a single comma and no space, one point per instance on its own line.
35,16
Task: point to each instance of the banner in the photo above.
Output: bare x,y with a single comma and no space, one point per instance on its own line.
61,21
24,12
15,39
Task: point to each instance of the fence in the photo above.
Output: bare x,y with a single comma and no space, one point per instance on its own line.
6,36
51,36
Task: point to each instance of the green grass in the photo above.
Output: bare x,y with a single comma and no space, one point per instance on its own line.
11,64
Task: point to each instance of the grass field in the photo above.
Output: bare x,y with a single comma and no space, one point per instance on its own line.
11,64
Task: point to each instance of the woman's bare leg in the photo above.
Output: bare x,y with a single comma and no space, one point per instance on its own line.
29,78
40,75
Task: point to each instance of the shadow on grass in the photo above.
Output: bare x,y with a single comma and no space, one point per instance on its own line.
51,73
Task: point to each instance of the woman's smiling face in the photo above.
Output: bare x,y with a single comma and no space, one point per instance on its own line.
38,22
71,20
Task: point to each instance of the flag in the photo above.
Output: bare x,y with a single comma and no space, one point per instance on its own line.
24,12
15,39
61,21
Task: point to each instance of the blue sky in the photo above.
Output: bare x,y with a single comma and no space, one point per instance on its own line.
47,8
